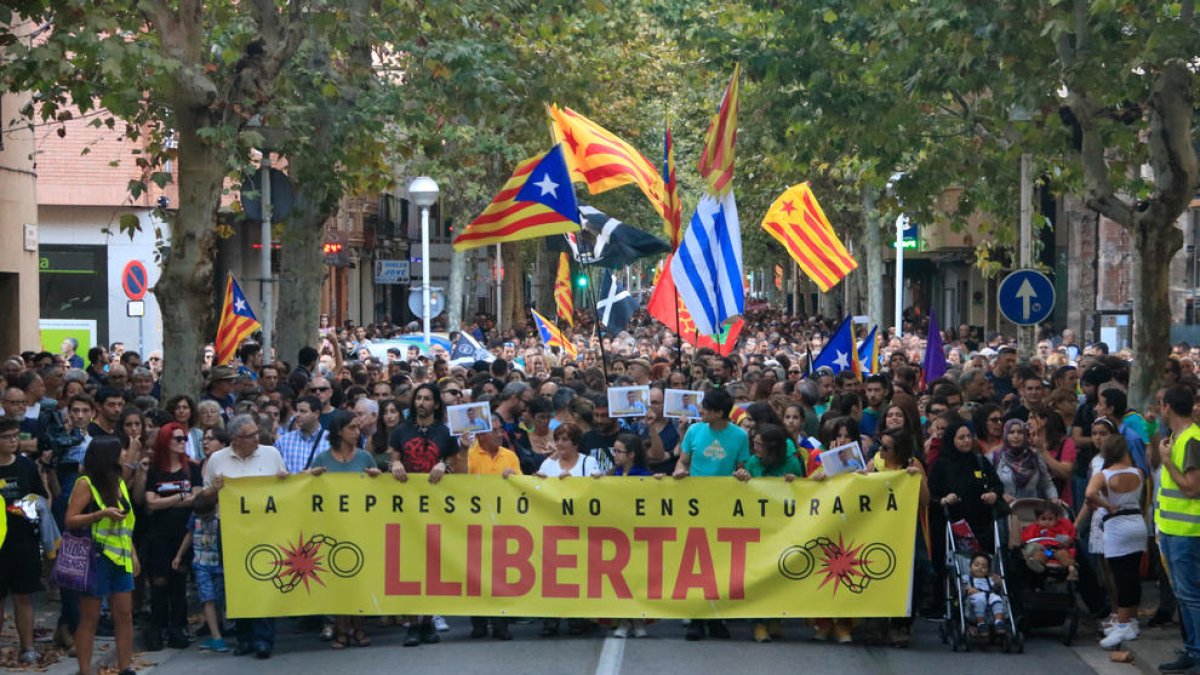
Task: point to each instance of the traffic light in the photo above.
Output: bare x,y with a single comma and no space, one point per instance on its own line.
581,280
335,251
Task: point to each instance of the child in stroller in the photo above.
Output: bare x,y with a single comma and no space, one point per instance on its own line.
984,592
1049,540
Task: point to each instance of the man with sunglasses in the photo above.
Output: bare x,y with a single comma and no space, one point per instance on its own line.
323,390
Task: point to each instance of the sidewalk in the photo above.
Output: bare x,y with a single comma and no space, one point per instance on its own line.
52,659
1153,646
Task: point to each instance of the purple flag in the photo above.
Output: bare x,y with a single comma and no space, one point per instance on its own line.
935,352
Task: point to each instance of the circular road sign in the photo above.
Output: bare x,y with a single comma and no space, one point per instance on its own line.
1026,297
134,280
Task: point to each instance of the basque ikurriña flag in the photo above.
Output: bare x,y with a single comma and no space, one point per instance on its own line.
237,322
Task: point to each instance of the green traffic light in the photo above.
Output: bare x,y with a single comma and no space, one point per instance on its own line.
581,281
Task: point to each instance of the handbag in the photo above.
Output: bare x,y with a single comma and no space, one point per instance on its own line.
77,564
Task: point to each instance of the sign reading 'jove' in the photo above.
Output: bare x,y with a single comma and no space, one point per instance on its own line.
482,545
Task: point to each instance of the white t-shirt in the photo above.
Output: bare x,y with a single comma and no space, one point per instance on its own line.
264,461
586,465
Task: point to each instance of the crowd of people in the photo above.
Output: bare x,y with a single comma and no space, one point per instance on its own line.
102,448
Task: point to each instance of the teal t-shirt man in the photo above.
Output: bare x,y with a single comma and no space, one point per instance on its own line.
713,446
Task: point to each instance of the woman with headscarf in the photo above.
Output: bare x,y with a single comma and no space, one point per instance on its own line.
1020,467
965,485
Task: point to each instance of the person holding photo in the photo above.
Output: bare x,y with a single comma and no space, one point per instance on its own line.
487,456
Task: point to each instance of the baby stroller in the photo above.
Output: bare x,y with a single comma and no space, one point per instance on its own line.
1046,599
957,628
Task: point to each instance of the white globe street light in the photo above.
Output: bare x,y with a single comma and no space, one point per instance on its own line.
424,193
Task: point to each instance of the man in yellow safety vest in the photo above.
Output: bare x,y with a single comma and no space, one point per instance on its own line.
1177,516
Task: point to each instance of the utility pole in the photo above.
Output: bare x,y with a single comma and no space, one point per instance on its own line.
1026,335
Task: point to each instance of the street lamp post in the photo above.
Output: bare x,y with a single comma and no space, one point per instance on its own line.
424,193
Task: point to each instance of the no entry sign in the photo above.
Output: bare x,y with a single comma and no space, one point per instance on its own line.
135,280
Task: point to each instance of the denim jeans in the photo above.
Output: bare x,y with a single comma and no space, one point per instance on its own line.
1183,564
257,634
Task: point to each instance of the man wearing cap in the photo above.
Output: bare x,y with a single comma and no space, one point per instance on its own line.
639,370
219,388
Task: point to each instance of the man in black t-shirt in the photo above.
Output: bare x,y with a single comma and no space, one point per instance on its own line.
109,404
20,556
422,444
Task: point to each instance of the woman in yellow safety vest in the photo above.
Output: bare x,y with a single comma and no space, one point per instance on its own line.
106,509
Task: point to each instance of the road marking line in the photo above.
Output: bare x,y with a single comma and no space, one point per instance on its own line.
611,656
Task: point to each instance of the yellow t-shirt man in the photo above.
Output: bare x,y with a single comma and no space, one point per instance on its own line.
483,462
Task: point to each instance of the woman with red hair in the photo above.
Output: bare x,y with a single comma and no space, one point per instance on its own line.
170,484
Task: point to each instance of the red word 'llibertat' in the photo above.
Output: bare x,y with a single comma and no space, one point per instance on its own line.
515,571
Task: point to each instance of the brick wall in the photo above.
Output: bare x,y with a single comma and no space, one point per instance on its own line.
77,168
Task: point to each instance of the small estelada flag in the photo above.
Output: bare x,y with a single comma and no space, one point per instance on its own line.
552,336
797,221
716,158
237,322
563,297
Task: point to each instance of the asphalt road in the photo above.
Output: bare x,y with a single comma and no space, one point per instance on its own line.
663,651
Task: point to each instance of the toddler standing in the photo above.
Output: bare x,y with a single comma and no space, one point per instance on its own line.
204,538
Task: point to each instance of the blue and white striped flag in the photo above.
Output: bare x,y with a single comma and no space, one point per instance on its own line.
707,269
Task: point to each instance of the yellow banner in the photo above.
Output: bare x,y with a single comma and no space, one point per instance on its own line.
580,547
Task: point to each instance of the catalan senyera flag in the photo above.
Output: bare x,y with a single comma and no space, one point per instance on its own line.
237,322
673,220
537,201
797,221
562,290
603,161
716,159
552,336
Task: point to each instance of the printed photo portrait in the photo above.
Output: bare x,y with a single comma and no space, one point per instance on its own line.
470,418
846,458
628,401
683,404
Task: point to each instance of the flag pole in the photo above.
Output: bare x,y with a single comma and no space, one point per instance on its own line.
586,261
596,313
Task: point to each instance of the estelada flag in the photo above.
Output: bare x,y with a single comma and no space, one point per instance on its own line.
562,290
537,201
551,335
599,158
663,304
673,220
237,322
716,159
797,221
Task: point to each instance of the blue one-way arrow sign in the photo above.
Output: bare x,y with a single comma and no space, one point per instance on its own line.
1026,297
